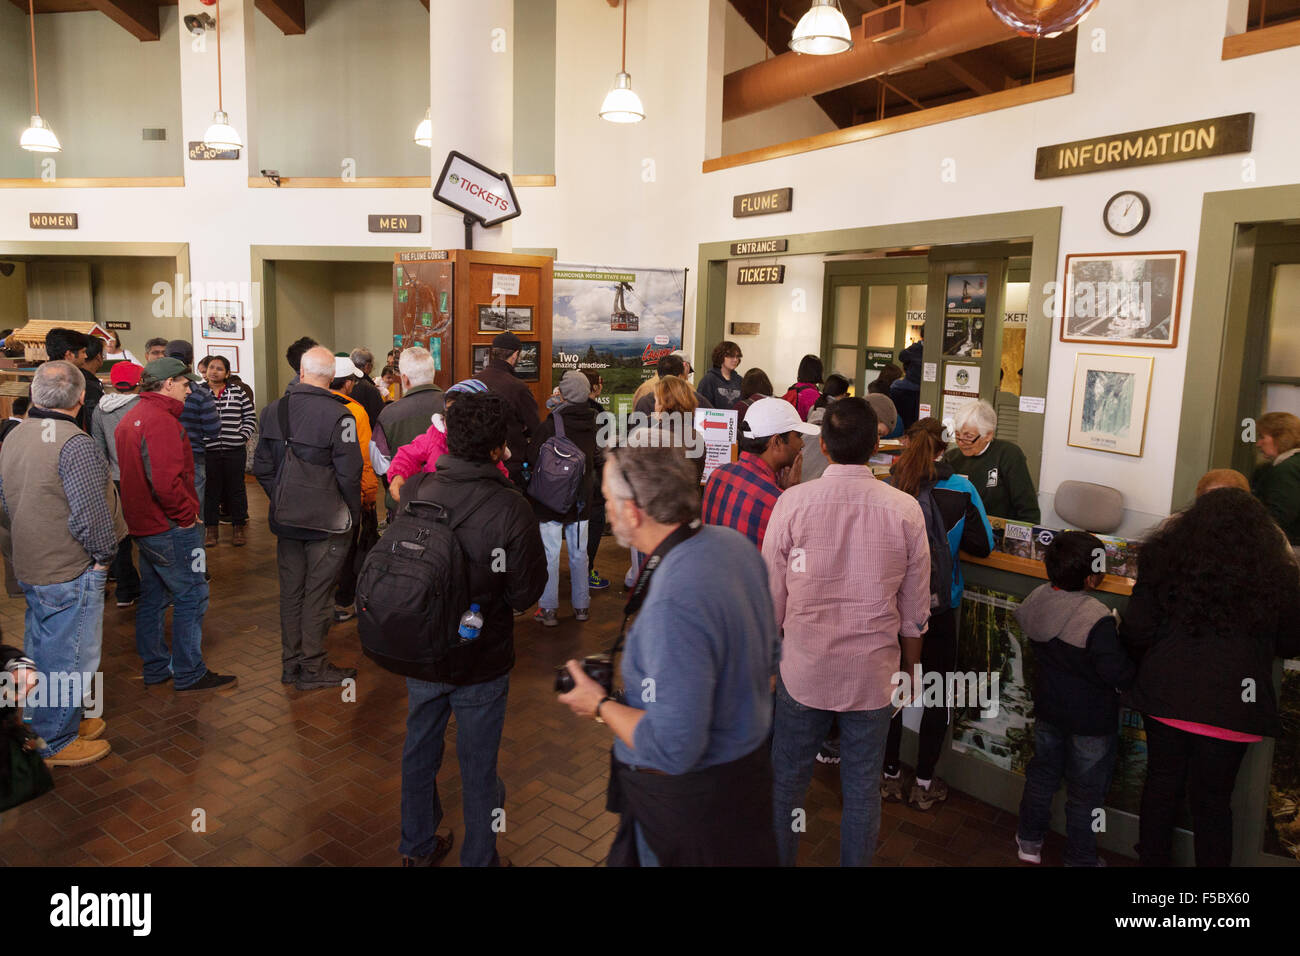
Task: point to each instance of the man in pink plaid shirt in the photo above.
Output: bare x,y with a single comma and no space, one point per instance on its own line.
849,567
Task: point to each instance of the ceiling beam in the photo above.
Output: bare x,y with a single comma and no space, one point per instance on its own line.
137,17
289,15
978,70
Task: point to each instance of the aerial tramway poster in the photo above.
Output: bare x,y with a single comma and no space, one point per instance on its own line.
617,322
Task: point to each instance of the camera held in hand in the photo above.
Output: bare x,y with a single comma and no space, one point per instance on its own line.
599,667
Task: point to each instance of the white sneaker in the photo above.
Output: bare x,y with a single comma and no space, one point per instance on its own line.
1029,852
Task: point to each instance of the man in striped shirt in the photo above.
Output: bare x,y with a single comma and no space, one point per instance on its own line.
741,494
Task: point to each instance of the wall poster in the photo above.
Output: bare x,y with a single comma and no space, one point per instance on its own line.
615,321
963,317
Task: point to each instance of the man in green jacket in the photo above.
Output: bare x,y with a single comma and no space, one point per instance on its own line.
996,468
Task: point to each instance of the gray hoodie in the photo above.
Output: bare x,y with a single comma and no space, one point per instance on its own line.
112,409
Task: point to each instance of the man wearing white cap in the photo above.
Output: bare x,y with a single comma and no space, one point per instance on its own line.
742,494
366,532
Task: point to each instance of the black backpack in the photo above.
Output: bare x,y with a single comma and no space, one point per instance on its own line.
414,585
557,481
941,570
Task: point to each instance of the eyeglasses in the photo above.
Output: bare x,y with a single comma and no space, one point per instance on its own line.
967,439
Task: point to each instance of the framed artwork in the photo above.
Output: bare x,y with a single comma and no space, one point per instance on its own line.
528,367
1108,410
481,355
223,319
1129,299
505,318
228,352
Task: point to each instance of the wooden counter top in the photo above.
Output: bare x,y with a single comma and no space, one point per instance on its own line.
1035,569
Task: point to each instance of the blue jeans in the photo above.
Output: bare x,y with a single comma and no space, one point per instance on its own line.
1086,763
65,635
575,537
797,733
480,711
200,478
171,568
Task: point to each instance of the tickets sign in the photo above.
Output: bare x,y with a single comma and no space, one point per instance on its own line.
476,190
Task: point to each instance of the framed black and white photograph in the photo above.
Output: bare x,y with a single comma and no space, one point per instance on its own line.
1108,410
505,318
222,319
528,367
228,352
1130,299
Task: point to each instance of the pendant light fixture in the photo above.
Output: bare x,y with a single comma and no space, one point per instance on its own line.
221,135
37,138
424,132
621,104
822,31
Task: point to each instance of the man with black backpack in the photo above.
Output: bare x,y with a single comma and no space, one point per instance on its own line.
434,603
499,376
563,465
308,461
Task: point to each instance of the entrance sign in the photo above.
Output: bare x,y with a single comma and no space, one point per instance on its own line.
1146,147
759,247
475,190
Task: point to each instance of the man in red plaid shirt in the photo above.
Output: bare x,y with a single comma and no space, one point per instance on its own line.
741,495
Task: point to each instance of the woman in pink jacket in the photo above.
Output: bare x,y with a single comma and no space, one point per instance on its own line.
422,453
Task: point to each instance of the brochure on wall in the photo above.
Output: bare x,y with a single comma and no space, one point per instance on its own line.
617,322
718,426
964,310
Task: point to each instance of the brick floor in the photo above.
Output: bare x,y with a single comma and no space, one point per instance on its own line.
263,774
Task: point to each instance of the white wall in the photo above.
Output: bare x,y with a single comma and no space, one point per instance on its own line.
789,318
793,120
637,194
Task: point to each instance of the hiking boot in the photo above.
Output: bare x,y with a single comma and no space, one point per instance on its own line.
342,614
891,788
210,681
327,676
829,752
595,582
212,538
441,848
1029,851
582,613
923,798
546,617
79,753
91,728
241,536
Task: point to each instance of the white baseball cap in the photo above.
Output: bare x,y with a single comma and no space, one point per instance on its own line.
343,367
774,416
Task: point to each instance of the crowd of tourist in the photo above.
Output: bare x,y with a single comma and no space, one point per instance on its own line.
834,583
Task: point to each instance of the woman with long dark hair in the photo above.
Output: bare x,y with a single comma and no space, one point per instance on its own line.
1217,597
753,386
953,511
803,394
227,454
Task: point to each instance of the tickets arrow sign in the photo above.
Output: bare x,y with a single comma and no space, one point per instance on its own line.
708,424
475,190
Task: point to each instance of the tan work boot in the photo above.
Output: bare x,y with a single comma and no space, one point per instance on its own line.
79,753
241,538
212,538
91,728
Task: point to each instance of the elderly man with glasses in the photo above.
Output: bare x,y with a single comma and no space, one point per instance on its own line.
995,467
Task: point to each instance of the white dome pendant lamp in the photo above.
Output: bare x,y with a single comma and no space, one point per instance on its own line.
424,132
221,135
37,138
822,31
621,104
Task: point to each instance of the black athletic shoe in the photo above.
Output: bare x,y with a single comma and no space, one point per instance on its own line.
440,850
327,676
210,681
289,675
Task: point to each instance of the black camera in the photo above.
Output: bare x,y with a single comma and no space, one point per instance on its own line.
599,667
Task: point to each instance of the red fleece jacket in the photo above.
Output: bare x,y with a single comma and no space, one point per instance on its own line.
157,464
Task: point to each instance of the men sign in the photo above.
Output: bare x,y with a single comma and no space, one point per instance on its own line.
475,190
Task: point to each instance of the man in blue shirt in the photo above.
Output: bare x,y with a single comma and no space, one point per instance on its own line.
691,767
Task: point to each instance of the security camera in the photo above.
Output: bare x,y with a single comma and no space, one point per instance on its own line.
272,174
197,23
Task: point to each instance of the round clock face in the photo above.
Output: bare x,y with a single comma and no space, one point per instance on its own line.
1126,213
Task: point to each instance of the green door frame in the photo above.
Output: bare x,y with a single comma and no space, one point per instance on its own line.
1042,227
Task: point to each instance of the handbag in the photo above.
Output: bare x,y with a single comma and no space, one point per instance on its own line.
307,495
23,774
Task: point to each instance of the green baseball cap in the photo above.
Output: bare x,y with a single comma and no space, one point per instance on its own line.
164,368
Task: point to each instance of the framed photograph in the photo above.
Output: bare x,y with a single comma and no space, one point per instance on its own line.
1108,410
228,352
222,319
505,318
481,355
1130,299
528,367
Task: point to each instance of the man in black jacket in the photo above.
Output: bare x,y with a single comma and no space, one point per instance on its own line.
364,392
71,346
522,421
324,433
507,571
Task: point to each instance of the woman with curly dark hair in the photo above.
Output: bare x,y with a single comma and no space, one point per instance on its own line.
1217,597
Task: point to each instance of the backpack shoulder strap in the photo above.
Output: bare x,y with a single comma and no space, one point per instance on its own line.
283,410
559,420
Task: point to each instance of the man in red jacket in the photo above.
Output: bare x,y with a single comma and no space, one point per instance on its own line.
162,507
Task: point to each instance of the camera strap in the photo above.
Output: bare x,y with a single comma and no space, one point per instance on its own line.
684,532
